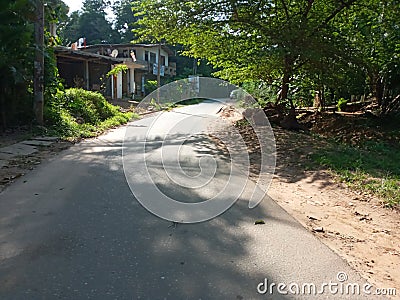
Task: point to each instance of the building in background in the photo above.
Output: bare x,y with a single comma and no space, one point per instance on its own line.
87,67
142,61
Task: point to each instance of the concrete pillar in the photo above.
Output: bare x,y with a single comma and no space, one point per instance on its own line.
119,85
113,95
132,81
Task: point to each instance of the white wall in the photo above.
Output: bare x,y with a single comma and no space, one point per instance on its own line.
132,81
119,85
140,53
164,53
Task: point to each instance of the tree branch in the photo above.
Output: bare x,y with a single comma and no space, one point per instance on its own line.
335,13
309,5
286,9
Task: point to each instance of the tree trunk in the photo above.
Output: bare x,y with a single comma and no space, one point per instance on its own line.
377,87
290,121
38,79
378,91
287,72
285,87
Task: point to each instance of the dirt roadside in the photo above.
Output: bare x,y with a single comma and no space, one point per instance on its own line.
354,225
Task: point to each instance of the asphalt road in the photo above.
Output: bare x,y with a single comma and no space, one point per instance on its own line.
72,229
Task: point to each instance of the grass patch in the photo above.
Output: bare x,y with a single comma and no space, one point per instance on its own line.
373,167
77,113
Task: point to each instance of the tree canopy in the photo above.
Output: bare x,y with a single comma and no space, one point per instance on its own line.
93,23
125,20
312,44
90,23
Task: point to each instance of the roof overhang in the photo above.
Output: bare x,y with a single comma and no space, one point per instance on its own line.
127,45
79,55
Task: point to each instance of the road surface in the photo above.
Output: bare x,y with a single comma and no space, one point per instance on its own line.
72,229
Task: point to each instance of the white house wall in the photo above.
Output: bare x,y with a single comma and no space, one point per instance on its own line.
140,53
165,54
132,86
119,85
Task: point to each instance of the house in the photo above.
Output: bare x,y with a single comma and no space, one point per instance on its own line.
142,61
85,70
87,67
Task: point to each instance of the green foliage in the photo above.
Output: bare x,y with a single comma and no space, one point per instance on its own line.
150,86
56,12
186,66
340,48
16,63
342,103
125,20
118,69
92,107
373,167
78,113
17,54
70,30
261,91
90,23
262,41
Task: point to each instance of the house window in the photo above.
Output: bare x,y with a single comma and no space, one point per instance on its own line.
162,60
146,55
152,57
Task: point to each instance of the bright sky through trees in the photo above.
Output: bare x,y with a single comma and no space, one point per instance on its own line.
73,4
77,5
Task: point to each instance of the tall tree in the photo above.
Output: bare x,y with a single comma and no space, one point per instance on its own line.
70,30
125,20
90,23
16,63
374,32
17,53
267,40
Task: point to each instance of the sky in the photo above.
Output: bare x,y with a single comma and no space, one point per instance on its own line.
74,4
77,5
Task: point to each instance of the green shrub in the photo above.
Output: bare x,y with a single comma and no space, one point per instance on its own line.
150,86
77,113
92,107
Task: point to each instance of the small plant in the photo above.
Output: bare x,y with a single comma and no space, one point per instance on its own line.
242,123
153,103
342,103
117,69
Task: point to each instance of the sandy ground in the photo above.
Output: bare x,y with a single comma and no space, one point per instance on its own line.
354,225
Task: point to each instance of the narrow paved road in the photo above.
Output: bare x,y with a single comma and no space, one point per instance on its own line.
71,229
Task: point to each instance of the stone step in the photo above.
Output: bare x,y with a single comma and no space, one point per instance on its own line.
37,143
6,156
46,138
19,149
